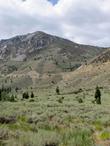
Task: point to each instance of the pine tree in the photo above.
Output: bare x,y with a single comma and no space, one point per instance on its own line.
25,95
98,95
57,90
32,95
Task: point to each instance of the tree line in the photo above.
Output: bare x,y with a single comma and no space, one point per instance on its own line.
6,94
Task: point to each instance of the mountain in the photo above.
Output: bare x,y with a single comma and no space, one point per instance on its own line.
21,47
40,58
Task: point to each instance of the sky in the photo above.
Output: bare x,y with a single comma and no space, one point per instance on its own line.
82,21
53,1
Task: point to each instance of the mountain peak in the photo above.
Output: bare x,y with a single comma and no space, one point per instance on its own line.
37,33
28,45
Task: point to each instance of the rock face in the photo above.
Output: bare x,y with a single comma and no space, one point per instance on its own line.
23,47
19,47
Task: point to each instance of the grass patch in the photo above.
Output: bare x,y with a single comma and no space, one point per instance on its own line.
98,125
105,135
78,137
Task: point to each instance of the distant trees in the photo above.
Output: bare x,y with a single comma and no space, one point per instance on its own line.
25,95
5,94
98,95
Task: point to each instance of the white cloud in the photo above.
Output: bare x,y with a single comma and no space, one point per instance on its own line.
82,21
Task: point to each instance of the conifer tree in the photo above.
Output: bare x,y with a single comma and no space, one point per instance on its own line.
32,95
57,90
98,95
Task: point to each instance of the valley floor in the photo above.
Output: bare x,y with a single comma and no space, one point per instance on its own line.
56,120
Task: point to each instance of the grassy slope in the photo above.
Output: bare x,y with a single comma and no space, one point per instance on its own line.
46,120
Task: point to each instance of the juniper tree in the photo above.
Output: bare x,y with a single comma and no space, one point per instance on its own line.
25,95
98,95
57,90
32,95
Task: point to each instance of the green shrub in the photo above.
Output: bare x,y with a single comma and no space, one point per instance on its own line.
31,100
98,125
4,96
60,100
105,135
12,98
80,100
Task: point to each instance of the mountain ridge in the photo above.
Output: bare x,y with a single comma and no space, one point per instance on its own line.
39,59
17,45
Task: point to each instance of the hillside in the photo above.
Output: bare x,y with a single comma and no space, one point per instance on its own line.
95,73
40,58
102,57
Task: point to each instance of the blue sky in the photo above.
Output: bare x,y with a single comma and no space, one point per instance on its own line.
78,20
53,1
